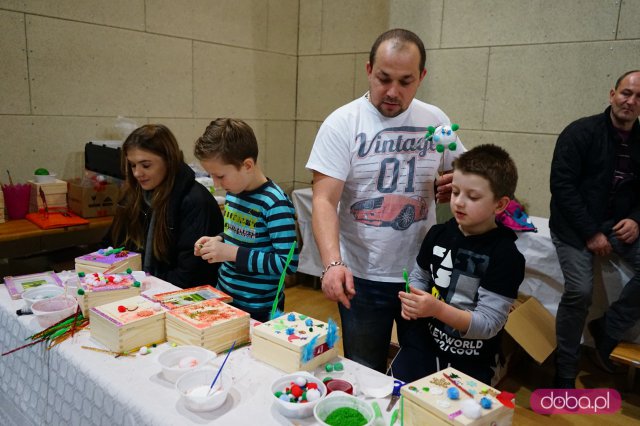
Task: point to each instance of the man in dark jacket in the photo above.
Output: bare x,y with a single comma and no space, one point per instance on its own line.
595,211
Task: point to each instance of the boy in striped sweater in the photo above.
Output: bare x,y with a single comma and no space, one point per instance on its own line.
259,219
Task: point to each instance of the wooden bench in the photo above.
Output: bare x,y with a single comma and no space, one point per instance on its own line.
628,354
20,238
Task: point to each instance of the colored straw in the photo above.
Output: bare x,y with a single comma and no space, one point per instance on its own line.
405,275
222,365
282,277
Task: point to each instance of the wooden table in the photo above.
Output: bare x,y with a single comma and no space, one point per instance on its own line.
19,238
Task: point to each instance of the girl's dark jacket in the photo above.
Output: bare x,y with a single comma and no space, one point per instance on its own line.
193,212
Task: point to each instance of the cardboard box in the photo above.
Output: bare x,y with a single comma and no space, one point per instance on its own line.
432,401
128,324
293,342
532,327
90,201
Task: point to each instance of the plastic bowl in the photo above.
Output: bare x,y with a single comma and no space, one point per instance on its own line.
374,384
193,388
292,409
51,177
40,293
171,359
339,399
50,311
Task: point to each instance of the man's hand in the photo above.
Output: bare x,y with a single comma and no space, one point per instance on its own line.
418,304
599,245
626,230
443,188
337,285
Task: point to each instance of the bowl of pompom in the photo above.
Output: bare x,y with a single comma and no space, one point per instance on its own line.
39,293
52,310
296,394
179,360
338,406
195,389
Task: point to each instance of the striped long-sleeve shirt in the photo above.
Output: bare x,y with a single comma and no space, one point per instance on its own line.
262,224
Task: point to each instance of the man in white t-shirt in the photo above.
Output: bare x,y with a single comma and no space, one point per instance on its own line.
372,158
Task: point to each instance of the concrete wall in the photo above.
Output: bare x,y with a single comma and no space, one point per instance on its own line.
69,68
509,72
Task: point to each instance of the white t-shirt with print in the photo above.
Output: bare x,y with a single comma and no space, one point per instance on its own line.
389,170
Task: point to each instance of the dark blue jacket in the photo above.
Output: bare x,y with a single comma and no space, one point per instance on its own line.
581,179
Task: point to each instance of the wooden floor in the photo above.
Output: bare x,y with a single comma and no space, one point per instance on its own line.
522,380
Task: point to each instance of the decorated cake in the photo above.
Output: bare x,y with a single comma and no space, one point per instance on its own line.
451,397
109,260
97,289
128,324
211,324
294,342
188,296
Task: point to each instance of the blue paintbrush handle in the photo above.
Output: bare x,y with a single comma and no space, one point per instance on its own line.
222,365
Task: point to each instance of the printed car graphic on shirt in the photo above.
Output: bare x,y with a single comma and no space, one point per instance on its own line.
396,211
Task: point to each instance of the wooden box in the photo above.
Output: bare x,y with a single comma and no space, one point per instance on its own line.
109,260
188,296
97,289
128,324
54,192
287,341
426,401
212,324
16,285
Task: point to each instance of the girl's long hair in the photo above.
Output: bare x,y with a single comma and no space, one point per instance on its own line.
129,222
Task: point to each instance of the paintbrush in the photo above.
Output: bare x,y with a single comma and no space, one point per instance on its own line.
221,366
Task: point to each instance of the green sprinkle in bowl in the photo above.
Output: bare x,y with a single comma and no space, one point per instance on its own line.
338,399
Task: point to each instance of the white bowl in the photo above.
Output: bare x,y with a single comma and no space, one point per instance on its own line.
50,311
39,293
170,361
292,409
374,384
193,388
339,399
51,177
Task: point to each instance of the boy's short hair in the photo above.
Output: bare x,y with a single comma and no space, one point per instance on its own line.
230,140
492,163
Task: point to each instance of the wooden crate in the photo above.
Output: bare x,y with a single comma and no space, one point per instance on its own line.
293,342
426,401
211,324
188,296
105,260
112,287
54,192
128,324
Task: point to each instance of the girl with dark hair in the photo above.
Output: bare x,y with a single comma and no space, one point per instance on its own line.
163,210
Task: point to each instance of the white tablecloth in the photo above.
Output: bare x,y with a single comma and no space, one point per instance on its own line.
543,276
69,385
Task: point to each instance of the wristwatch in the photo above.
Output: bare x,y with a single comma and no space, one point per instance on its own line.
331,265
